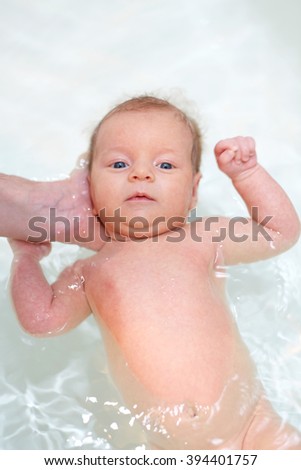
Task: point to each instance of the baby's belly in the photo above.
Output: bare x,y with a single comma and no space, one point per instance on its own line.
190,383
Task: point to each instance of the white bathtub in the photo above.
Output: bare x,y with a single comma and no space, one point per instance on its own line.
61,69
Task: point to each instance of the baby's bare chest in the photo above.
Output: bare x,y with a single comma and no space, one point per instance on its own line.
133,280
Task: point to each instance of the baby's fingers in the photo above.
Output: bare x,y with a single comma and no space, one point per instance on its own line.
246,148
226,157
240,149
225,145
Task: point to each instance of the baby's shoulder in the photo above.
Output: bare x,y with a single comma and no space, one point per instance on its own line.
200,238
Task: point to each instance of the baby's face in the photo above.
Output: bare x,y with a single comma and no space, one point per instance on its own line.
142,166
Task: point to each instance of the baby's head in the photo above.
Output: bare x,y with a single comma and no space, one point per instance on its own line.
146,103
144,162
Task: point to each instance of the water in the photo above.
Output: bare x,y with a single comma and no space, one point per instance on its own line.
62,68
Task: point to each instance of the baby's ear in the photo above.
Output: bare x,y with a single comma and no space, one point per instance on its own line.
195,186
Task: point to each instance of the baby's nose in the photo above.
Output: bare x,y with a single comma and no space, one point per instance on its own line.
142,171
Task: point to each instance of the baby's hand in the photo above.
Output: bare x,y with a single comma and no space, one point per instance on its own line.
236,155
34,250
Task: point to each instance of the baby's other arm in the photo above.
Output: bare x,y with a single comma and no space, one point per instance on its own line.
274,225
50,211
45,309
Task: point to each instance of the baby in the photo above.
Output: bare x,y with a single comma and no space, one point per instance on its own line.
156,285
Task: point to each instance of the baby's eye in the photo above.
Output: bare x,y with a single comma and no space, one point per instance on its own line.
166,166
119,165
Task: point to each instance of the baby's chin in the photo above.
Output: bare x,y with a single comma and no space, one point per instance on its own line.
139,233
122,225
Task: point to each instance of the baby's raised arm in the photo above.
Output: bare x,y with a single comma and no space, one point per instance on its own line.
274,225
43,211
45,309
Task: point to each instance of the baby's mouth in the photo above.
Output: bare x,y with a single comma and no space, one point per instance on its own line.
140,196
